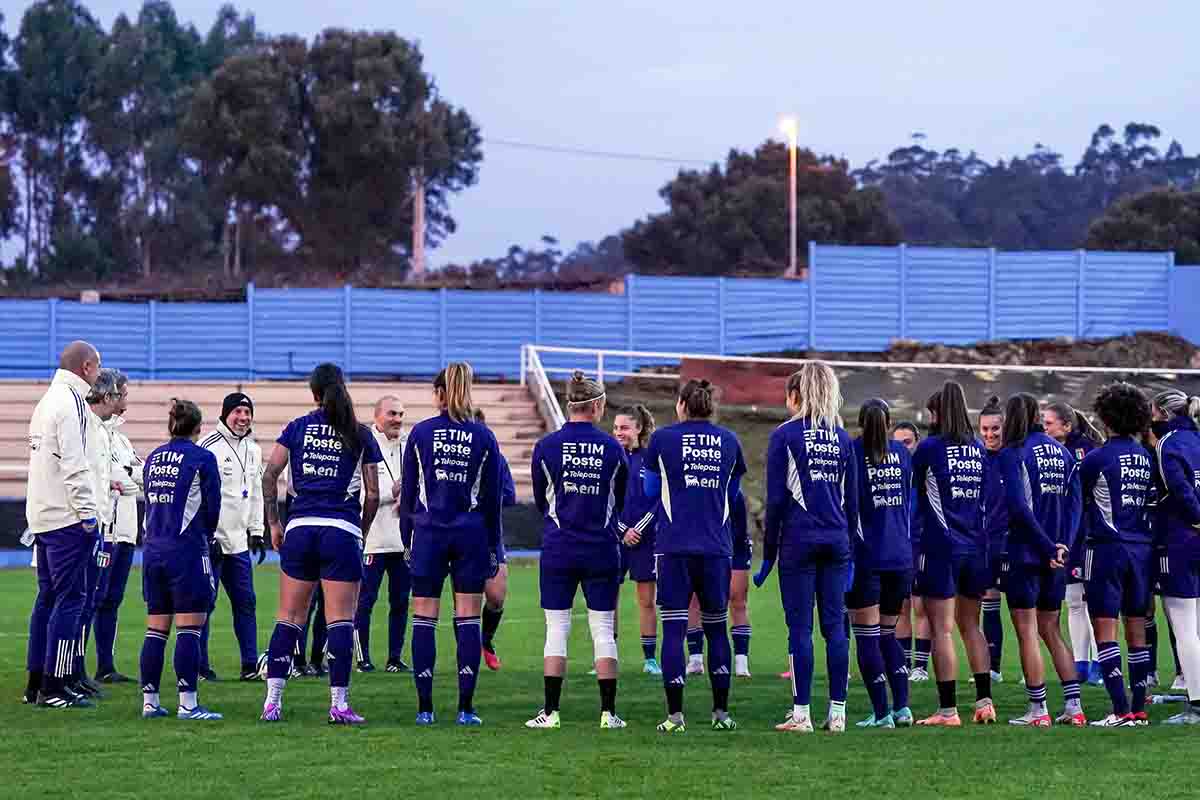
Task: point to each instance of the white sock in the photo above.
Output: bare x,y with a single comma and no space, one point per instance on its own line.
1184,619
337,697
275,691
187,699
800,712
1079,625
837,708
150,698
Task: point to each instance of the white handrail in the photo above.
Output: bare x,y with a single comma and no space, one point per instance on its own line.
543,391
600,355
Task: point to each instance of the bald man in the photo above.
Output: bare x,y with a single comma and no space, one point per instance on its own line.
61,509
383,552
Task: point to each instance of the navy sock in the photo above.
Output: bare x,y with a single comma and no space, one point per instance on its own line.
204,631
1071,691
424,656
906,646
674,631
897,669
800,658
741,640
870,664
720,657
187,656
1114,681
921,654
470,651
993,631
154,649
1036,694
695,641
491,621
649,646
282,648
1139,673
341,647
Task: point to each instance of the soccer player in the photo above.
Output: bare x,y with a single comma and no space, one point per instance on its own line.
579,477
739,586
331,458
633,427
102,402
912,615
1041,490
1179,464
127,471
450,521
60,509
991,431
696,468
1072,429
383,550
495,591
1118,485
951,475
882,565
811,516
183,506
240,531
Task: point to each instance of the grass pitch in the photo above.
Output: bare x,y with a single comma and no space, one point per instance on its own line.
111,752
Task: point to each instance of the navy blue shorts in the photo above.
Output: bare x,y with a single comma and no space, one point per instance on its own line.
1035,586
463,556
178,581
559,584
499,556
1119,578
638,563
887,588
940,577
743,553
321,552
1179,572
680,576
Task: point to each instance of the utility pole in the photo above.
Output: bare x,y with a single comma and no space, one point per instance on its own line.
418,240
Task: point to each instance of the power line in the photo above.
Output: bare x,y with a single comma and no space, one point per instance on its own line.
579,151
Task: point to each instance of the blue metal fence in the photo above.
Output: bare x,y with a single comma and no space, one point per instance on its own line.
856,299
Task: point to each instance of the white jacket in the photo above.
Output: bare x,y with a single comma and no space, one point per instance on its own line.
384,536
127,470
99,456
60,491
240,463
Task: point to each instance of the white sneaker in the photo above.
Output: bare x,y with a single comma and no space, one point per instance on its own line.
918,675
695,665
741,666
1113,721
608,721
545,721
1180,684
834,723
792,724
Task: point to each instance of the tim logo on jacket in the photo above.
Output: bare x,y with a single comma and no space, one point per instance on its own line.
451,454
701,461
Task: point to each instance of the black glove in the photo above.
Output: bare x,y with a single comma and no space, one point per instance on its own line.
258,547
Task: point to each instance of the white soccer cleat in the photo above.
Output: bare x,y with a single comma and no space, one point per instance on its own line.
695,665
793,724
741,666
608,721
834,723
918,675
544,721
1113,721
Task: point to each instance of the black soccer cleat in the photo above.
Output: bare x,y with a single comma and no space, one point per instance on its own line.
366,666
62,700
208,675
113,677
397,665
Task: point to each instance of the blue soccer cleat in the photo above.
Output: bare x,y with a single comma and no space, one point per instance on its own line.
150,711
426,718
199,713
469,719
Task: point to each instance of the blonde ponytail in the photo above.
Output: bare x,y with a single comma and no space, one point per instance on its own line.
453,385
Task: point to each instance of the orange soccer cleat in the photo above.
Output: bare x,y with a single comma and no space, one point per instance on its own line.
942,720
985,714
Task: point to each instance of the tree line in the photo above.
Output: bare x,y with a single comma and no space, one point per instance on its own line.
151,148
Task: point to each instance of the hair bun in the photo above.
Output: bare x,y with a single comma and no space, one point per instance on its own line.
577,376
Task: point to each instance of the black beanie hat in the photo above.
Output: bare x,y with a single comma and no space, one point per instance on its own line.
234,400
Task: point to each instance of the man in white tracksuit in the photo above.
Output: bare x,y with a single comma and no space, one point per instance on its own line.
103,400
60,508
240,531
383,552
119,542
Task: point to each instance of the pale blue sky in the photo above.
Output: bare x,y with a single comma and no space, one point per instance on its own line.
692,79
